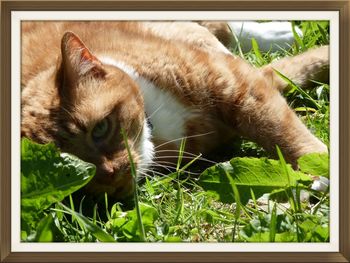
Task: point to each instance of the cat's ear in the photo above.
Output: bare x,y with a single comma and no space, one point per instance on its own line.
77,60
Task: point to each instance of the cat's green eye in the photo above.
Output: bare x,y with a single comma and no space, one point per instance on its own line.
100,130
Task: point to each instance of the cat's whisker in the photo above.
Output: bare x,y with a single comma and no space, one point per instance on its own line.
153,171
147,117
152,163
165,162
182,138
136,137
186,157
142,175
159,164
174,169
162,174
67,111
155,111
145,174
178,151
169,168
188,153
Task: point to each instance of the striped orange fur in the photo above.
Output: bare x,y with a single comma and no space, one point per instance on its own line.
80,77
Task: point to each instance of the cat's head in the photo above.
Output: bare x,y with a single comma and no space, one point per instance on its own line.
95,101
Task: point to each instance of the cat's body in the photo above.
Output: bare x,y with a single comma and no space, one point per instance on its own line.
177,75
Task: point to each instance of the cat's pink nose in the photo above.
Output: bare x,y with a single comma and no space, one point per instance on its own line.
107,169
109,172
112,172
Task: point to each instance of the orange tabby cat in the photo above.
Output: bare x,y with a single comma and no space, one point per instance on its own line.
160,82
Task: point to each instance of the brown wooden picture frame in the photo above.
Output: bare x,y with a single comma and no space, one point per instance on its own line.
343,7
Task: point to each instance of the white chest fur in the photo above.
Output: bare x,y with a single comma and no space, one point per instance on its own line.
167,115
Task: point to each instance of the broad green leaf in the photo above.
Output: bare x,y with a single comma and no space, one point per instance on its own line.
322,233
24,235
279,237
315,164
173,239
314,231
48,177
127,225
45,230
259,174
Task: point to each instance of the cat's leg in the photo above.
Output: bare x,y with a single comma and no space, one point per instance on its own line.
220,30
259,112
301,69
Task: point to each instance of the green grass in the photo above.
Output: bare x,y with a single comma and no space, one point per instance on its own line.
177,207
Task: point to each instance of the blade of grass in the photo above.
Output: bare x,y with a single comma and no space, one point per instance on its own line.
238,202
305,109
71,203
298,40
149,188
181,152
238,43
165,179
323,34
94,216
297,198
106,205
136,196
179,204
300,90
81,205
189,163
289,192
318,205
87,225
253,198
273,223
257,53
286,173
